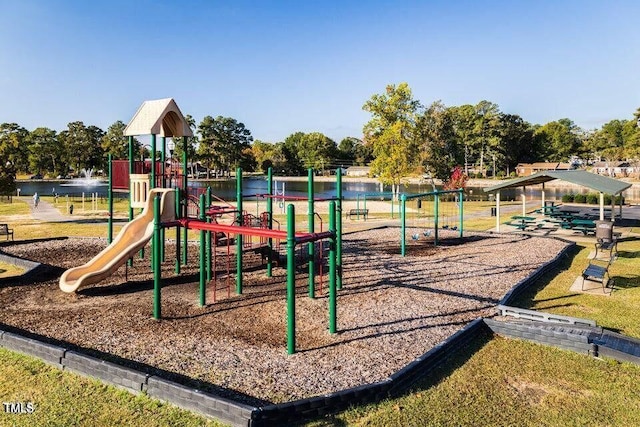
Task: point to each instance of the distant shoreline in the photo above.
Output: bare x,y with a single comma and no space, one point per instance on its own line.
358,179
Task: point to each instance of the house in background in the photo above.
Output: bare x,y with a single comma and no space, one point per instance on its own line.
358,171
621,169
526,169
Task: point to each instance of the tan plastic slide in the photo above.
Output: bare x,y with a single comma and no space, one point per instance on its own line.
133,236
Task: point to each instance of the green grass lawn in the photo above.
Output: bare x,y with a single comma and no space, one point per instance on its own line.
17,207
33,229
618,311
501,382
65,399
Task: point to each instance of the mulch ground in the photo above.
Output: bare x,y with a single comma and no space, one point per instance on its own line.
390,311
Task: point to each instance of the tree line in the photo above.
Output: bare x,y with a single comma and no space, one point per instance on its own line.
402,137
408,138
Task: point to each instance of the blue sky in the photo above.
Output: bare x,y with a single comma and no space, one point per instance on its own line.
286,66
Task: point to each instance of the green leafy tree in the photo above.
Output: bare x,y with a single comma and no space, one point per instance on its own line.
7,179
463,121
516,142
114,141
440,149
192,143
392,151
46,153
391,132
608,142
290,149
631,135
14,146
224,143
559,139
316,150
352,151
264,154
486,140
83,146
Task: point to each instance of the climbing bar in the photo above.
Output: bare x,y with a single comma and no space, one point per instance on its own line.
247,231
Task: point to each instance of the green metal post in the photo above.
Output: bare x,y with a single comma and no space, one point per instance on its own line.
203,287
312,245
339,227
460,195
332,269
110,201
403,224
364,206
185,193
131,170
153,162
163,149
239,236
270,221
291,279
177,208
358,206
436,204
157,271
209,257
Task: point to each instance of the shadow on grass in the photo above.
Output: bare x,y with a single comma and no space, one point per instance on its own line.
628,254
621,283
526,298
429,380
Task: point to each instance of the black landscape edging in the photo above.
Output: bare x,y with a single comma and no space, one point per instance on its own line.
564,340
228,410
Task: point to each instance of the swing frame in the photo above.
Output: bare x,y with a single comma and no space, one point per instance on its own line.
436,202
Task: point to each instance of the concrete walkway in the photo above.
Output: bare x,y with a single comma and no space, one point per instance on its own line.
45,211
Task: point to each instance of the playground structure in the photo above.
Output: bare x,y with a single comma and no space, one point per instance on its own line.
436,215
164,208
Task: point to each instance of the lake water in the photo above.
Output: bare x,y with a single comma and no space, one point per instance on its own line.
226,189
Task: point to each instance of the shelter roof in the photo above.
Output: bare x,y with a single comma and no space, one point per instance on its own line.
579,177
158,117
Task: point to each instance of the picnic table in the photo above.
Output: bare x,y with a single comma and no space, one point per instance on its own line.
584,225
548,210
522,222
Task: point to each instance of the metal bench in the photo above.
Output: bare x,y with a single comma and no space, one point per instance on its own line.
358,212
5,230
597,273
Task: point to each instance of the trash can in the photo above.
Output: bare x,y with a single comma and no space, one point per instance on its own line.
604,230
493,211
70,209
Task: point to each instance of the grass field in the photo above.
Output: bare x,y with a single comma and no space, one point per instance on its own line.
501,382
617,311
64,399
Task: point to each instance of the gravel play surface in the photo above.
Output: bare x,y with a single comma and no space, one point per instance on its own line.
390,311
